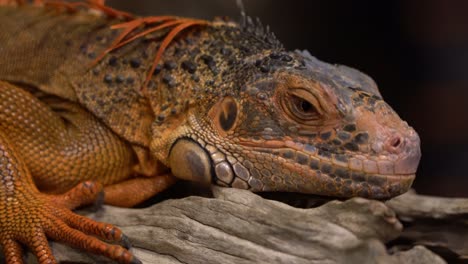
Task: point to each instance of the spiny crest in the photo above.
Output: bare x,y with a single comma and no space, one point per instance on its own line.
256,29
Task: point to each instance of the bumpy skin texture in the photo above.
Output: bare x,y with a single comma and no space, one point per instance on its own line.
225,104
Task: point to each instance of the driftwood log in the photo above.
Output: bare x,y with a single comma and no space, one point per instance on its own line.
438,223
237,226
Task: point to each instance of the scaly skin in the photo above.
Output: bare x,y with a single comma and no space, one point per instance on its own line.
88,106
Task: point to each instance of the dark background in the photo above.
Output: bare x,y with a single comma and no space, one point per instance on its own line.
416,51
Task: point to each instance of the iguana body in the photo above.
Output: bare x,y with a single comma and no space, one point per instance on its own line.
226,104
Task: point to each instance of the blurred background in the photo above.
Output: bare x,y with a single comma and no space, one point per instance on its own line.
416,51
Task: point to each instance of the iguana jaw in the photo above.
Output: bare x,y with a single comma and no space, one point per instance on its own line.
387,164
362,175
296,168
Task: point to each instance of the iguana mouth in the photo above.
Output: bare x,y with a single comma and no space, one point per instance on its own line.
319,177
386,164
346,174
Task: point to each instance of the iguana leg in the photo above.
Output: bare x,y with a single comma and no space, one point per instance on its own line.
61,143
30,217
134,191
55,145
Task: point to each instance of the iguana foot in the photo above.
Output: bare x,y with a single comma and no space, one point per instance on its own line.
50,217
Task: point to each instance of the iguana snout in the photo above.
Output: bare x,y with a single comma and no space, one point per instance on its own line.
395,144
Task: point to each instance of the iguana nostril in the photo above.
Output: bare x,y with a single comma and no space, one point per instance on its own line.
395,143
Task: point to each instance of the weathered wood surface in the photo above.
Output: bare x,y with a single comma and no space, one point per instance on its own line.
241,227
436,222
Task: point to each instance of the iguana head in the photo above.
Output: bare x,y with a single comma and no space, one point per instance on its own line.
273,120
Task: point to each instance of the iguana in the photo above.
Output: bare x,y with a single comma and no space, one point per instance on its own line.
94,100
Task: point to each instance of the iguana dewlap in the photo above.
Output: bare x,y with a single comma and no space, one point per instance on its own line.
94,100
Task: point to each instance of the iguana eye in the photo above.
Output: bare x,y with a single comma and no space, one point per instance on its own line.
302,107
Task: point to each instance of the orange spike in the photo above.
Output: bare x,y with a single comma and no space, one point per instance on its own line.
132,25
165,43
163,22
154,20
144,20
151,30
129,27
166,22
